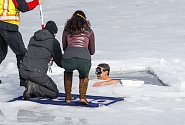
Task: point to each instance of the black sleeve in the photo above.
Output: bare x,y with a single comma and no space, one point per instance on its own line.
22,6
57,52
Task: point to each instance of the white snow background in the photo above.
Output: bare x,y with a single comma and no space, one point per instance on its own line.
131,35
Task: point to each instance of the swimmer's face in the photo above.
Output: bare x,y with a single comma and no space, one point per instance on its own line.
100,73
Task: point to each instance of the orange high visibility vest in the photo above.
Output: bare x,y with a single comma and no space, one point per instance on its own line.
8,12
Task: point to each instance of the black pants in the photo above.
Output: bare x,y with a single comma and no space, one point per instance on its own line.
13,39
45,87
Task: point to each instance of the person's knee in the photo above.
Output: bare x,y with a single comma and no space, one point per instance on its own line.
83,75
55,95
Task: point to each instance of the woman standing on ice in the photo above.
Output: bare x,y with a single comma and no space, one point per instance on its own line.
78,45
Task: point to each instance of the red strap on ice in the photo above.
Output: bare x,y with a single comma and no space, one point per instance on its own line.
32,4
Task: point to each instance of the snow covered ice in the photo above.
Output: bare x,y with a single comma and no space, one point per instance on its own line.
131,36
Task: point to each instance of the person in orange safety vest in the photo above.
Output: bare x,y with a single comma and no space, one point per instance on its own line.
9,33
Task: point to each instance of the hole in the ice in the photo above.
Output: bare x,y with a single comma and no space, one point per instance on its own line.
147,76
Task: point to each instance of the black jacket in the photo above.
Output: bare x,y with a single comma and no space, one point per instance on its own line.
42,48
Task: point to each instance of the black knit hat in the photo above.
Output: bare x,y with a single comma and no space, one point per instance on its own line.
52,27
105,66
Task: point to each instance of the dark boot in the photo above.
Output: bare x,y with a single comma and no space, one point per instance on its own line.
68,76
29,90
82,90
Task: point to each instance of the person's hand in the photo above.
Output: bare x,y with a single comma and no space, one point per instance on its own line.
51,62
97,84
40,1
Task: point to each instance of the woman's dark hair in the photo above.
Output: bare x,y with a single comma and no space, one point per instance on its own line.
77,23
105,67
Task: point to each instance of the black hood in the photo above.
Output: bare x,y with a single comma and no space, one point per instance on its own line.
42,35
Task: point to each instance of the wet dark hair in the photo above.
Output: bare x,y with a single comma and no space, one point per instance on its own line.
77,23
105,67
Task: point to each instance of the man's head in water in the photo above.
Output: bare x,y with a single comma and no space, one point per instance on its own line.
102,71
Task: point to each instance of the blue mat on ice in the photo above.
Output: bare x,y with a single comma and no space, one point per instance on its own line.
94,101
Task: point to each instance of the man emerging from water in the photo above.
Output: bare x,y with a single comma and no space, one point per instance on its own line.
102,73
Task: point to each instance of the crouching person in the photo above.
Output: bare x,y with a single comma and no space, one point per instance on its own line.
42,48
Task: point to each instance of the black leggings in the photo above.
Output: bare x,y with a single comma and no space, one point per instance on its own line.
81,65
